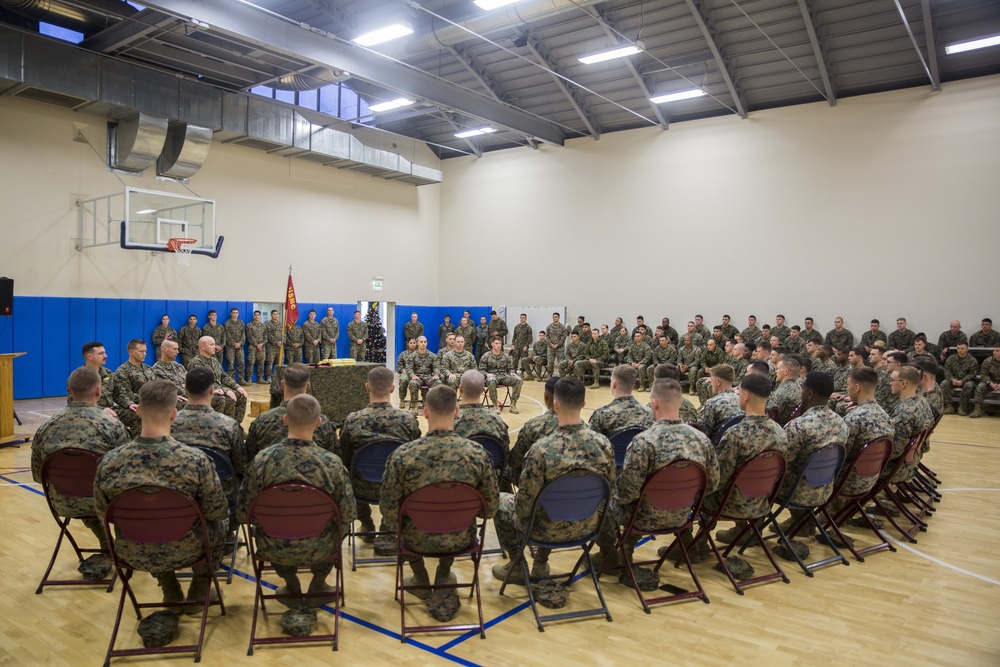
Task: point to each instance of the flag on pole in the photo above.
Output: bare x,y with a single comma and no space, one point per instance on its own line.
291,305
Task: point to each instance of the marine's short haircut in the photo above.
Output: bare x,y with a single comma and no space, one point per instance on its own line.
799,359
718,328
625,375
921,337
296,377
570,392
899,357
550,384
356,312
441,400
90,347
666,391
987,320
472,383
724,372
926,364
757,385
758,367
257,312
233,310
806,363
556,315
158,396
780,315
380,380
860,351
524,314
791,364
727,316
640,317
311,312
863,375
83,380
821,384
666,371
763,345
134,343
796,327
808,319
199,380
212,312
875,322
302,411
909,374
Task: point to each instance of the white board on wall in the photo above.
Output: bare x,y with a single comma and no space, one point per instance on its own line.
539,317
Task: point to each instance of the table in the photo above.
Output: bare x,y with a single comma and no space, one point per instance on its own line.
7,399
340,390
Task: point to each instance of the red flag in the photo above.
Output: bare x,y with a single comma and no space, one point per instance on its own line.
291,305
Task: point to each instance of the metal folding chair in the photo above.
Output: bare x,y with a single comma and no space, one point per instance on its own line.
369,462
294,511
224,469
678,486
156,515
501,402
725,426
909,456
498,453
70,472
438,509
620,440
574,497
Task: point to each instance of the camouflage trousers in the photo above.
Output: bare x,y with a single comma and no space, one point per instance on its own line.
533,365
273,357
312,353
650,375
256,358
329,351
567,367
555,358
982,389
237,409
453,382
416,382
581,368
187,356
511,530
704,390
511,381
293,354
357,351
404,384
130,419
692,375
517,354
235,363
968,390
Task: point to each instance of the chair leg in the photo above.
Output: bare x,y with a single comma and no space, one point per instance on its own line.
126,587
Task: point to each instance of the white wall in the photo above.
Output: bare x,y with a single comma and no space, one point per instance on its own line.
338,228
882,206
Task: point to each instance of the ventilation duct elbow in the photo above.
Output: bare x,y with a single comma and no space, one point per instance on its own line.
185,150
137,141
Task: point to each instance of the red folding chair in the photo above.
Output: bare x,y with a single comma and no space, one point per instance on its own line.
294,511
157,515
910,456
70,473
678,486
758,478
438,509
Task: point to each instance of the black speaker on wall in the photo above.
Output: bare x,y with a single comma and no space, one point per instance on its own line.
6,297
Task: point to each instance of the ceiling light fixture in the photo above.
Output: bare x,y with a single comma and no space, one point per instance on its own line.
620,52
146,211
390,105
674,97
475,133
974,44
493,4
384,34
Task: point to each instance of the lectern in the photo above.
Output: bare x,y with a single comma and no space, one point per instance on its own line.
7,399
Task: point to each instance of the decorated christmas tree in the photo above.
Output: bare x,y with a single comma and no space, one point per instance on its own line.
375,349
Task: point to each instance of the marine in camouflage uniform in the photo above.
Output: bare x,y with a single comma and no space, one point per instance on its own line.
533,430
422,369
816,428
413,329
312,331
499,370
162,333
716,410
236,338
275,338
521,342
443,330
739,365
329,328
901,340
497,328
163,461
218,332
709,359
911,416
663,353
404,378
638,356
597,350
990,338
865,423
869,337
358,330
295,338
107,399
839,339
555,335
795,344
782,332
235,408
752,335
256,341
269,428
703,331
187,339
688,357
294,460
827,366
129,379
729,331
568,448
82,426
622,412
468,332
883,391
812,335
785,398
964,369
621,342
951,339
739,444
475,418
453,363
535,364
936,404
989,374
202,426
481,339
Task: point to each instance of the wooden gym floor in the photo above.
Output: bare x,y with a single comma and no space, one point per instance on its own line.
933,603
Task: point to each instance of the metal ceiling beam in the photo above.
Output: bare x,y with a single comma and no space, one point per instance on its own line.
935,81
127,31
456,123
708,32
281,34
821,61
931,40
578,103
232,74
607,23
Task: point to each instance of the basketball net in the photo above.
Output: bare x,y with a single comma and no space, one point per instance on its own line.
182,248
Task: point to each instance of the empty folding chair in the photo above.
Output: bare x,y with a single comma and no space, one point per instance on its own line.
369,462
227,476
620,440
721,429
498,453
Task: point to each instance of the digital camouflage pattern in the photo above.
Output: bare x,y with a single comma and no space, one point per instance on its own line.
574,353
439,456
475,418
311,331
329,328
868,338
816,428
162,333
883,391
795,344
163,461
901,340
622,412
378,421
935,402
828,366
523,336
218,333
688,359
294,336
957,368
785,398
421,369
127,383
840,377
782,332
200,425
237,409
988,372
497,329
839,339
739,444
256,333
535,363
597,350
454,363
275,336
413,330
752,335
716,410
689,413
501,367
269,428
187,341
555,337
358,331
107,399
985,339
236,338
948,339
640,355
865,423
533,430
911,416
404,377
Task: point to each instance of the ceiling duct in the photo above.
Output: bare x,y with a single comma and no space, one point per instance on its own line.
136,142
88,18
185,150
311,80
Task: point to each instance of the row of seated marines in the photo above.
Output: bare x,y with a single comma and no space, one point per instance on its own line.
295,443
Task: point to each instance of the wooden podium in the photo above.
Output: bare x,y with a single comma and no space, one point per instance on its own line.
7,400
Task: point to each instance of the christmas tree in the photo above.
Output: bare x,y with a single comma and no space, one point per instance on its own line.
375,348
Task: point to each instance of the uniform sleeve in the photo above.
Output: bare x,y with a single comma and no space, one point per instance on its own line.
634,471
123,389
326,437
211,498
489,487
391,493
345,501
530,484
711,468
249,489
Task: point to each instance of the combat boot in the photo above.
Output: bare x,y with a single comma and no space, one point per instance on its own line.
977,412
963,409
513,408
527,376
171,589
196,593
949,408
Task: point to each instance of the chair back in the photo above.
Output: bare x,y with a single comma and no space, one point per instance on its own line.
493,447
914,446
575,496
153,514
370,459
620,440
220,459
797,412
822,465
725,426
293,511
772,413
675,487
760,476
443,507
871,458
71,472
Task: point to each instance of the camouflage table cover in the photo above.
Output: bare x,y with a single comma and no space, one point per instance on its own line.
340,390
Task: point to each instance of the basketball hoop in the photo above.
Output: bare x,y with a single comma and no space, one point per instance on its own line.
182,248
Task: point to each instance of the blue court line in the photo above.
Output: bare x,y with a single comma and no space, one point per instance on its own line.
23,486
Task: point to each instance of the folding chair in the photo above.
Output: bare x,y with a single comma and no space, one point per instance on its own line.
224,469
797,412
369,462
819,470
501,402
156,515
908,456
293,511
725,426
758,478
498,453
70,473
438,509
620,440
678,486
573,497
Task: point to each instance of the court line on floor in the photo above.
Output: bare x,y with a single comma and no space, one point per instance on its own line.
29,486
963,444
938,560
968,489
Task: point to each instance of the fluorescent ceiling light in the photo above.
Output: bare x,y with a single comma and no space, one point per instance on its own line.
383,34
145,211
390,105
493,4
610,55
674,97
974,44
475,133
